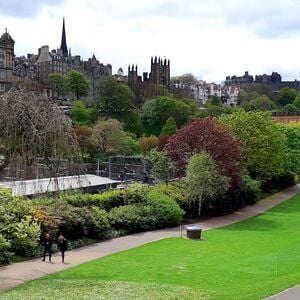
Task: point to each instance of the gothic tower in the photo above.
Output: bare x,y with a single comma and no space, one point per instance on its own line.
160,71
6,62
63,45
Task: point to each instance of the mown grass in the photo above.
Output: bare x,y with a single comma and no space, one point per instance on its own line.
248,260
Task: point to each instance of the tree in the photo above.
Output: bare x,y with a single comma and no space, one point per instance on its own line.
287,96
115,98
290,108
203,179
83,134
155,113
297,102
213,137
162,167
263,103
77,83
58,84
81,115
213,101
243,96
169,128
186,79
292,146
263,143
131,145
108,136
34,132
148,143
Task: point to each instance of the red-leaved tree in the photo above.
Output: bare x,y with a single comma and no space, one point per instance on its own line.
207,135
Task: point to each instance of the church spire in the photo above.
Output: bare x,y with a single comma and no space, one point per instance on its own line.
63,46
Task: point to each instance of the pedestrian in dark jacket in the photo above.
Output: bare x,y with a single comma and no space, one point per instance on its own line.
62,245
47,243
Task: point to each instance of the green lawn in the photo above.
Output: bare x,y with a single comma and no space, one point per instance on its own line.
248,260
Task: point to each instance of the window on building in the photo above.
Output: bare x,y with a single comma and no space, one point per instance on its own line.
2,74
2,87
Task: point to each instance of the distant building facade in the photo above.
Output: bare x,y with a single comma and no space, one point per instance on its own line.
37,67
201,91
6,62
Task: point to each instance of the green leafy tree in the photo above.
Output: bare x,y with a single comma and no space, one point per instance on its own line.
162,167
213,101
297,102
290,108
77,83
131,145
263,142
263,103
58,84
81,115
243,96
156,112
287,96
170,127
115,98
292,146
203,179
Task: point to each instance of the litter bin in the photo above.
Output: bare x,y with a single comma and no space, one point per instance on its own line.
193,232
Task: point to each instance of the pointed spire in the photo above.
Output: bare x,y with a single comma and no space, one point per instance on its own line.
63,46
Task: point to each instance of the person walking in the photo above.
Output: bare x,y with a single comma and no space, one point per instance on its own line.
62,245
47,243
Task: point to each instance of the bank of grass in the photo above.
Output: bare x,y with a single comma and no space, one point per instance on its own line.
252,259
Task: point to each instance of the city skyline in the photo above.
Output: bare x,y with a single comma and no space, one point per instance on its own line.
208,39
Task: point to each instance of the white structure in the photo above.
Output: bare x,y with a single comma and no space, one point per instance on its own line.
48,185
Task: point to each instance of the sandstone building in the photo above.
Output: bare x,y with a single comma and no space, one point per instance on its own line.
6,62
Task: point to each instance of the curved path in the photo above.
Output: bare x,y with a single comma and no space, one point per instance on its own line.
15,274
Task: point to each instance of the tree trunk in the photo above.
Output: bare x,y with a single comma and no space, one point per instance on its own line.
200,204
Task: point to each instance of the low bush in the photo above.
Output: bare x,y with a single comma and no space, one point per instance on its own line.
177,192
108,199
159,211
165,210
280,182
130,218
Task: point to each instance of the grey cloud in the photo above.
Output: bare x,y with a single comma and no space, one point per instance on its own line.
25,9
268,18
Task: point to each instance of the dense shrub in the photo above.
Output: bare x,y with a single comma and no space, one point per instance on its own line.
5,254
159,211
234,199
131,218
98,225
280,182
106,200
72,219
165,210
17,225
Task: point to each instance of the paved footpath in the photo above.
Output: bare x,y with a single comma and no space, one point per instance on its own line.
17,273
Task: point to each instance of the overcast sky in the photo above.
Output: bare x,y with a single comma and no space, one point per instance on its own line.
209,38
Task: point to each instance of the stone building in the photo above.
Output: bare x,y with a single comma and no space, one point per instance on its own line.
38,67
6,62
274,80
95,71
239,80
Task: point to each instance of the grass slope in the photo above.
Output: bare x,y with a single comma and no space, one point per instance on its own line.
248,260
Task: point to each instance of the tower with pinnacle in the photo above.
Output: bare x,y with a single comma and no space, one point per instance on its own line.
63,45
